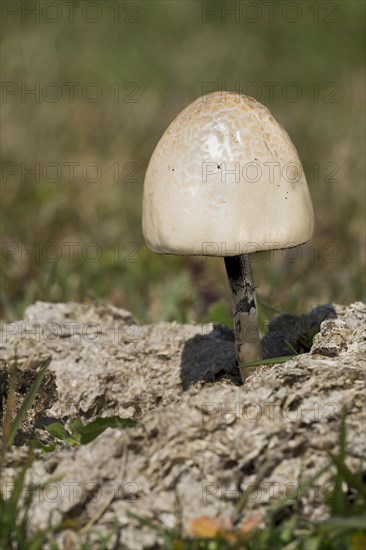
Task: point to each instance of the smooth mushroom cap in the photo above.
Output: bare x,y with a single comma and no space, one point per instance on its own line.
225,179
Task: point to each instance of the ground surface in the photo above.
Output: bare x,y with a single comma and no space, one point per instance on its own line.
202,438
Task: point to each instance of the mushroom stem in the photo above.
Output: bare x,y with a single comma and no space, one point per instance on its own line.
245,312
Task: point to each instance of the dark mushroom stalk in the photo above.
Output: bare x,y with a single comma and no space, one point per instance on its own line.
245,311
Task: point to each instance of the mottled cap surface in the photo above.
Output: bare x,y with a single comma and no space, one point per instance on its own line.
225,179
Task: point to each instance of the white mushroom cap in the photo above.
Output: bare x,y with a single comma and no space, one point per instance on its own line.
225,179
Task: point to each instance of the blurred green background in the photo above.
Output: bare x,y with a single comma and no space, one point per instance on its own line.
148,60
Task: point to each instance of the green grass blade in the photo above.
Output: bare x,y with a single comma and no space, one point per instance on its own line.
356,523
291,346
147,522
295,495
10,507
270,361
268,306
345,473
27,403
338,499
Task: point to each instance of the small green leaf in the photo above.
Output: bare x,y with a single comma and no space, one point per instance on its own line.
56,429
97,426
45,448
83,434
75,426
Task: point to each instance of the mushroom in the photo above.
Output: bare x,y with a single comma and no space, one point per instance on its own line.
225,180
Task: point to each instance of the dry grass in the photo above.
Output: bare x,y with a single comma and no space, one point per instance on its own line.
169,54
